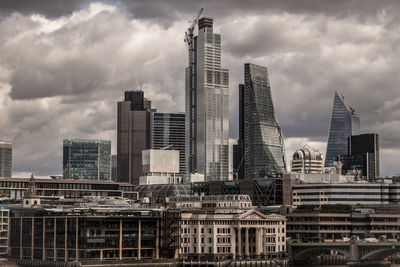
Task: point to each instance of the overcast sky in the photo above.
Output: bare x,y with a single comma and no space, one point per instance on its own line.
65,64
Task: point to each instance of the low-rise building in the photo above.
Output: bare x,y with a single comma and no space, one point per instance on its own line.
91,233
308,160
160,167
338,223
228,227
361,193
16,187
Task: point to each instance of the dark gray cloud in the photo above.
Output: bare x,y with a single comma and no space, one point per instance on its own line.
65,64
49,8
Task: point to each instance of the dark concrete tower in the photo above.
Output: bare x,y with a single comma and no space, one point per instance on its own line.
133,135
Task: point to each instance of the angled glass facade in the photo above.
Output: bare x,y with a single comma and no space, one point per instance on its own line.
207,106
344,123
263,143
168,130
87,159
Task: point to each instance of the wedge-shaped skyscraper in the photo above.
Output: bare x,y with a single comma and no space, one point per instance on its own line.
344,123
260,135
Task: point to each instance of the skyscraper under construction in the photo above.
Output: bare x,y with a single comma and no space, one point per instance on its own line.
206,104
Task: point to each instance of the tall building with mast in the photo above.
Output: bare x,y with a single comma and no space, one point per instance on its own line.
206,104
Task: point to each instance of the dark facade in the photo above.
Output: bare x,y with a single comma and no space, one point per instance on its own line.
260,134
78,236
133,135
87,159
114,173
344,123
168,130
5,159
363,154
237,162
16,188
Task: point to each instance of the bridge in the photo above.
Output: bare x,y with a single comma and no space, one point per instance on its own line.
354,251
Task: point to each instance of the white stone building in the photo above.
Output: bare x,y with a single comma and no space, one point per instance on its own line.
228,227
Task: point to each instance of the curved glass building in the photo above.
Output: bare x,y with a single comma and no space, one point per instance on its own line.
260,134
344,123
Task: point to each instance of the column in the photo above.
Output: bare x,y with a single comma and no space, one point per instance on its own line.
247,253
55,239
239,241
120,239
258,245
264,249
44,239
140,240
157,256
77,239
66,240
20,238
33,237
233,242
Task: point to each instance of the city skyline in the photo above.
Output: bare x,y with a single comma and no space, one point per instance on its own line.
68,89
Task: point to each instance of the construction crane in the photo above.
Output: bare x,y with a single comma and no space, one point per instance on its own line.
236,171
167,147
189,33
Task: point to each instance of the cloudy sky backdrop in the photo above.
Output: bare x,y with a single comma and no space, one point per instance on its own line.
65,64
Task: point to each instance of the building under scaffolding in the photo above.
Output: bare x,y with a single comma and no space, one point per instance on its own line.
263,192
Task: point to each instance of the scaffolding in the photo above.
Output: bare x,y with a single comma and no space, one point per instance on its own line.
170,233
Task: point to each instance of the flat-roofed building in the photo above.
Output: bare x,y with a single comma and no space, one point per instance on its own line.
16,188
89,234
338,223
160,167
342,193
5,159
88,159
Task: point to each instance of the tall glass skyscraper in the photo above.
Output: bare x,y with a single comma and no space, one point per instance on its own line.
168,130
260,135
5,159
87,159
207,105
344,123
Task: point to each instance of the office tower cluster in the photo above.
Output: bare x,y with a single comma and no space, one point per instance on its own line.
5,159
87,159
201,134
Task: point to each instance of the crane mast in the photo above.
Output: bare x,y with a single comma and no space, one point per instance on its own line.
189,33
